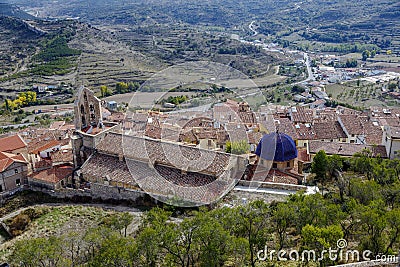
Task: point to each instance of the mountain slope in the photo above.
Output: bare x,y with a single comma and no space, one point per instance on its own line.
14,11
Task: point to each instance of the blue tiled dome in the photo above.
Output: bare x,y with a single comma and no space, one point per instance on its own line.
277,147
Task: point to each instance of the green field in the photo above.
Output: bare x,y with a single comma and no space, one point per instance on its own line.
365,95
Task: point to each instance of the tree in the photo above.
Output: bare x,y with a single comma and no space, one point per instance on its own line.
116,251
334,164
73,244
362,162
320,238
121,87
252,223
7,105
94,238
364,191
105,91
319,167
282,218
237,147
178,242
393,220
125,220
133,86
366,54
391,195
342,183
213,241
39,252
373,225
148,246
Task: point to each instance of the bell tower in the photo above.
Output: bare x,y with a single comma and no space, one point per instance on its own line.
87,108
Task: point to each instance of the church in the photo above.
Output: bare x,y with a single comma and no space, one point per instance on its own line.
107,159
119,163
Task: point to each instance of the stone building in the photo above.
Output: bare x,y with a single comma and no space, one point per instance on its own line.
87,108
13,171
391,141
89,126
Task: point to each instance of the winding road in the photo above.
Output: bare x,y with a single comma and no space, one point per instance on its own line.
251,27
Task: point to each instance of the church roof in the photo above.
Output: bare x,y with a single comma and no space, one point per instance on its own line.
277,147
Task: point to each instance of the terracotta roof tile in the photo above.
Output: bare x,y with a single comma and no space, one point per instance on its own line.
35,148
345,149
11,143
284,125
301,114
62,156
107,167
328,130
6,159
53,175
145,149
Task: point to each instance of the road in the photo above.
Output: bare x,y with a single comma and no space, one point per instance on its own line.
16,126
309,69
251,27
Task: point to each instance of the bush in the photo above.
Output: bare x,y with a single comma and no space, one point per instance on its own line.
19,224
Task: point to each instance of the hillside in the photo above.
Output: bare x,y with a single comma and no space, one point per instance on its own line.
340,21
14,11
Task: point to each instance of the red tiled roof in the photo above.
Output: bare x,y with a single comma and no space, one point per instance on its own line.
6,159
116,117
67,127
254,137
345,149
53,175
11,143
166,153
284,125
362,125
328,130
301,114
62,156
199,122
41,146
105,166
247,117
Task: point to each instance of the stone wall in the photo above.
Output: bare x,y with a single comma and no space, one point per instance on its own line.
97,191
118,193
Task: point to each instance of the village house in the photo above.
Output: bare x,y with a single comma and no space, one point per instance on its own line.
391,141
13,144
13,172
51,178
345,149
359,129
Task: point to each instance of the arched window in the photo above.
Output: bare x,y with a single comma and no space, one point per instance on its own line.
83,120
82,109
